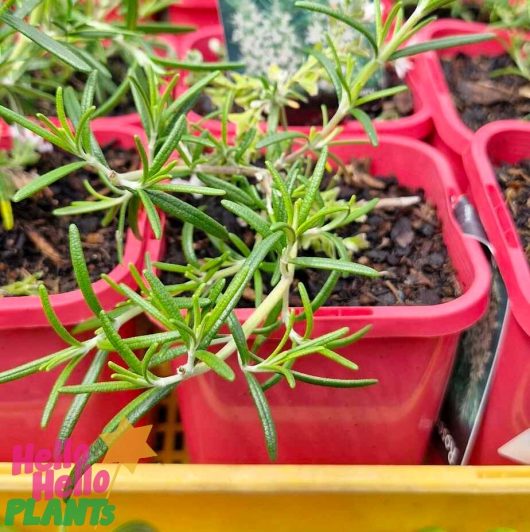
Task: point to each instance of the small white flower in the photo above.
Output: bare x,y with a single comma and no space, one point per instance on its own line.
315,32
27,137
402,66
215,46
369,11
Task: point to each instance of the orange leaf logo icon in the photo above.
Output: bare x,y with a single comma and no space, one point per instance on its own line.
127,445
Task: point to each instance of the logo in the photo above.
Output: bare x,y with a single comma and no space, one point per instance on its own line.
64,491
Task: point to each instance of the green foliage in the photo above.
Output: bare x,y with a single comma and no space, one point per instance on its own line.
514,16
45,45
340,69
281,186
165,126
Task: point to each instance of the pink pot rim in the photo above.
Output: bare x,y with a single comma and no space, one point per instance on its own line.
26,311
496,216
429,320
194,4
432,86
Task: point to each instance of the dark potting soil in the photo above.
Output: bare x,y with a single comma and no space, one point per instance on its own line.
39,241
515,183
310,112
407,243
481,98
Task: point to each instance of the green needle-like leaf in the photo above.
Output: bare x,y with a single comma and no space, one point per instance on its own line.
183,211
51,403
442,43
332,383
282,188
367,124
144,341
197,67
81,271
239,338
46,42
216,364
169,145
314,185
265,415
119,345
29,368
177,188
168,304
152,214
384,93
331,71
54,321
343,266
182,103
11,116
232,192
45,180
251,217
306,302
131,10
156,28
228,301
276,138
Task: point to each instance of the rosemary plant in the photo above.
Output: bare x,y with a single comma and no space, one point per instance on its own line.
44,45
514,17
165,131
279,184
344,72
509,14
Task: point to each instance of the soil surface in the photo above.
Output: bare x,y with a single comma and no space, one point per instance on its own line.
515,183
406,242
39,241
481,98
310,112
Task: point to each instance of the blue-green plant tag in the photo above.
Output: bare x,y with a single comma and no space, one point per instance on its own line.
467,393
265,34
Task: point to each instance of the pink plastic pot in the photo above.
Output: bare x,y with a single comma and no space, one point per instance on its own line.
3,133
452,135
26,335
198,13
418,125
508,409
410,349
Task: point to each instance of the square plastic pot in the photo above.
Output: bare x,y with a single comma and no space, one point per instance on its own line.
410,349
508,410
453,136
26,335
417,125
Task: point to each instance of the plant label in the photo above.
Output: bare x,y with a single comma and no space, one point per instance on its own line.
271,37
467,393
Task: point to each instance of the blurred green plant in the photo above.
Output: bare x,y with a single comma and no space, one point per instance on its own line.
45,45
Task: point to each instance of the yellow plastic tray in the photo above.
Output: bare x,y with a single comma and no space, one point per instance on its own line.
306,498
